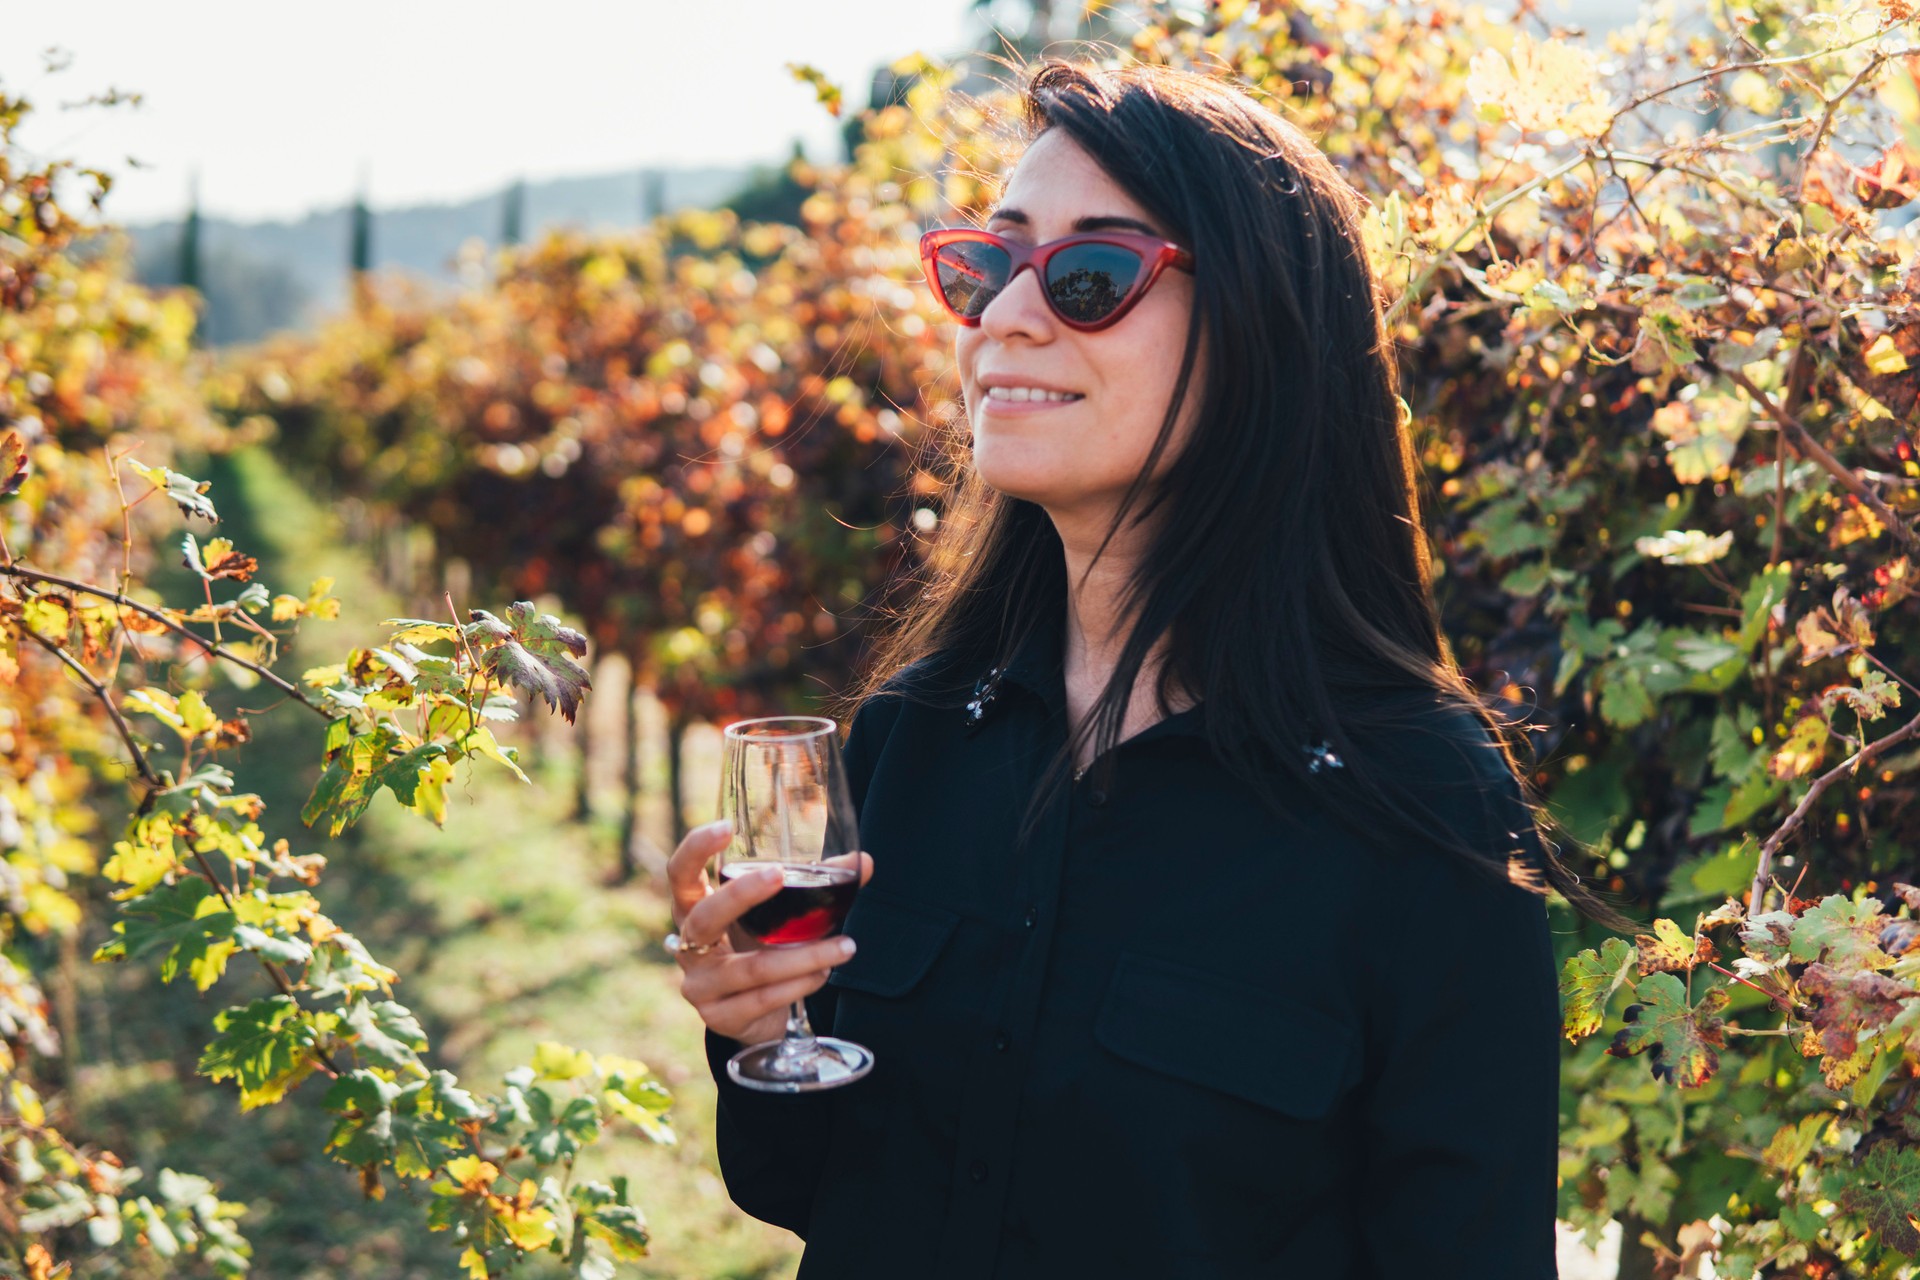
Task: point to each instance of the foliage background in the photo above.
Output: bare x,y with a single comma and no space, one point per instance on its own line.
1657,312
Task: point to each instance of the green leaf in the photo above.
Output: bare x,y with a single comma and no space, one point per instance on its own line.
266,1047
1885,1189
607,1217
1624,700
1679,1041
342,966
185,921
364,1132
1802,1221
386,1034
1588,981
278,947
380,1121
344,790
560,1132
451,1101
1842,933
1764,590
402,775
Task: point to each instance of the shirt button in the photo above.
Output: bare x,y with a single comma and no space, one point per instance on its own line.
1098,798
1033,917
1002,1042
978,1171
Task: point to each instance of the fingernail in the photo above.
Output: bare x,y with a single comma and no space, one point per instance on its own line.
844,947
720,827
770,876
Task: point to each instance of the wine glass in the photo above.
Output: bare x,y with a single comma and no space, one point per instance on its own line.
782,786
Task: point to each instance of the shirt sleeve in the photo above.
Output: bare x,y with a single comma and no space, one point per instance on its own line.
1460,1096
772,1147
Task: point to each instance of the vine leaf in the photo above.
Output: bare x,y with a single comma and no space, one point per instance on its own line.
1587,981
1793,1143
1679,1041
1885,1190
185,920
381,1121
265,1047
606,1215
1669,948
386,1034
534,651
14,467
1844,934
1848,1002
185,492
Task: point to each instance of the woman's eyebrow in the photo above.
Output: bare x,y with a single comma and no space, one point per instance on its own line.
1097,222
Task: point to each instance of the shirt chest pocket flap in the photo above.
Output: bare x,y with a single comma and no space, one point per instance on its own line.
1230,1036
897,941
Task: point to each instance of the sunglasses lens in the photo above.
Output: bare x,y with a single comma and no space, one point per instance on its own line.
971,274
1088,281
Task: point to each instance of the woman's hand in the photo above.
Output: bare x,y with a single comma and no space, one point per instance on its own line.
740,993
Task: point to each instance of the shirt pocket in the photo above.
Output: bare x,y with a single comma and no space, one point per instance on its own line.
897,943
1229,1036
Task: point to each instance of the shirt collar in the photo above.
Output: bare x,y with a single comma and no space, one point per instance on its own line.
1038,665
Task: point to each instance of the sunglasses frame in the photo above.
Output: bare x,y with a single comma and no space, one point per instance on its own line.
1156,255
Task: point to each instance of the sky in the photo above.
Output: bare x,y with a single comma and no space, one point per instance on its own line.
283,107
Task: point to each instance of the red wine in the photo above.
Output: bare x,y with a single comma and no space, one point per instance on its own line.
811,905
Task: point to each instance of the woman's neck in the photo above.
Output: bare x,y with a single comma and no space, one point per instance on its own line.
1097,631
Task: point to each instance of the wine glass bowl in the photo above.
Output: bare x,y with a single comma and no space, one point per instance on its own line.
783,788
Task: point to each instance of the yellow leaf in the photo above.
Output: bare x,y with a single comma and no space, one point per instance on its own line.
196,717
474,1263
47,616
26,1103
555,1061
1803,750
1884,357
528,1228
472,1173
155,702
1549,85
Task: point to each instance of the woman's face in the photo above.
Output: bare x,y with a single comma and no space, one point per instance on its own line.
1075,457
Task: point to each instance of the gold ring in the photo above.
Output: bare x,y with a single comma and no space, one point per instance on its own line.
678,946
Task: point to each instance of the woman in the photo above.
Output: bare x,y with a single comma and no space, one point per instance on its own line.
1203,934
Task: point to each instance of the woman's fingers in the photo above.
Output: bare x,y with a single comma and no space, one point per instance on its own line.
732,1016
847,859
707,919
767,966
686,869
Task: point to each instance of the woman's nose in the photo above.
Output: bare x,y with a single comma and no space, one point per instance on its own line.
1020,309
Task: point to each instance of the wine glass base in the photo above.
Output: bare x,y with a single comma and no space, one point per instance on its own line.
836,1062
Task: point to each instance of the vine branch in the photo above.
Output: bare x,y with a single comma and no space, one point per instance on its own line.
1840,772
160,616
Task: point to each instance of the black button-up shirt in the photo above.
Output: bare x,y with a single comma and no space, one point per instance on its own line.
1172,1036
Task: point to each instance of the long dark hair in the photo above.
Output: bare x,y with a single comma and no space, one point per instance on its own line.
1289,566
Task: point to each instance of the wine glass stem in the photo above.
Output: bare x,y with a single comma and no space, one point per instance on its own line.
797,1047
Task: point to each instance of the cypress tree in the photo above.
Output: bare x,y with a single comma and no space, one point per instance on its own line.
362,248
513,215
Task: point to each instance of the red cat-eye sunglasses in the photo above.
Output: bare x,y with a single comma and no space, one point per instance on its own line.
1089,280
